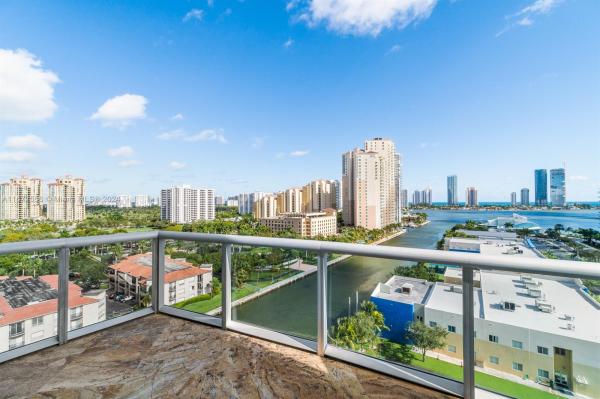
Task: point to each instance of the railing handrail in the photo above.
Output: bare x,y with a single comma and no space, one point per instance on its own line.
519,264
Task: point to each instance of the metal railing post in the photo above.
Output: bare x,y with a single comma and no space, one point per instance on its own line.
226,285
158,268
322,304
468,334
63,295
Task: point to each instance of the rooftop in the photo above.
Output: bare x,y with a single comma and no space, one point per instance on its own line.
140,266
403,289
162,356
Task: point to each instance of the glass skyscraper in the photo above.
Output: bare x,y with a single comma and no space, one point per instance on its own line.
541,187
452,182
557,187
525,196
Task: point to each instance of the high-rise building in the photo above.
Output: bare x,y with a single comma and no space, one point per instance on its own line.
452,183
370,185
246,201
404,198
525,197
471,197
558,195
266,207
513,199
541,187
66,199
21,198
322,194
219,201
142,201
417,198
124,201
186,205
426,196
398,179
292,201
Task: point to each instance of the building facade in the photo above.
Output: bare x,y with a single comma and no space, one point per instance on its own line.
142,201
525,197
404,198
558,192
312,224
124,201
66,199
266,207
541,187
471,197
513,199
370,185
21,198
452,185
246,201
186,205
133,277
29,309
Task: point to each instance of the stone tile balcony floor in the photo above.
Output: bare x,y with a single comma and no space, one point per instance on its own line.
159,356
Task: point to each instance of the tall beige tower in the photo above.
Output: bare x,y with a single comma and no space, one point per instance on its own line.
370,183
66,199
21,198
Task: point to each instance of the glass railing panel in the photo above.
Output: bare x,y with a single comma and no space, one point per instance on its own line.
192,279
28,298
275,289
397,311
108,281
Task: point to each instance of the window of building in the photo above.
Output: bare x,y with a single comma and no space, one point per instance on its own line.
77,323
493,338
517,344
560,351
494,360
452,348
542,350
451,329
543,373
432,324
37,321
517,366
16,329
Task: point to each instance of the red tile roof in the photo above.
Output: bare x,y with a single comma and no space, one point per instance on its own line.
136,266
9,315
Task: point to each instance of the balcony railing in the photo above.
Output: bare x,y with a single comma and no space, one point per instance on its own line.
467,261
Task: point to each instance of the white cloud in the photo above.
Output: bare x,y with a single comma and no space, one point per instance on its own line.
394,49
288,43
362,17
207,135
121,111
194,13
26,89
525,21
539,7
124,151
127,163
579,178
177,117
299,153
16,156
171,135
210,3
27,141
526,15
174,165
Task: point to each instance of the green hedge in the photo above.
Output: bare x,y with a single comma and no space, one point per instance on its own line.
195,299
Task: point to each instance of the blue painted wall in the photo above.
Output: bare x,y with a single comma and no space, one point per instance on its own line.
397,316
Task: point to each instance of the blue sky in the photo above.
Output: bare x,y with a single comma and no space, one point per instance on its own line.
263,95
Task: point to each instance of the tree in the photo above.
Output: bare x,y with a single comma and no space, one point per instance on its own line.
421,270
361,330
216,287
425,338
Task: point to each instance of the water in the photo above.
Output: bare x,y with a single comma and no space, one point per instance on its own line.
293,309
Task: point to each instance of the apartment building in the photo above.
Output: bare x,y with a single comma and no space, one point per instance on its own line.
21,198
246,201
471,197
320,195
29,306
186,205
66,199
266,207
133,276
142,201
312,224
370,183
531,327
124,201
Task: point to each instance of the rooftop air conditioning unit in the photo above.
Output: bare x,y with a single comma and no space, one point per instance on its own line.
534,292
525,278
544,306
569,317
571,326
507,305
456,288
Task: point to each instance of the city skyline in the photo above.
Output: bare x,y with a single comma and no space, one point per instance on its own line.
190,107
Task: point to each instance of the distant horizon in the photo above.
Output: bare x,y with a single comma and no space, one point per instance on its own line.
263,96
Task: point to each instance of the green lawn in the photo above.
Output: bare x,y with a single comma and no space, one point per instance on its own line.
246,289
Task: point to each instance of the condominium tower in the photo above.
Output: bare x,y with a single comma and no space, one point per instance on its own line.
471,196
21,198
513,199
541,187
525,196
558,187
66,199
246,201
370,183
186,205
452,183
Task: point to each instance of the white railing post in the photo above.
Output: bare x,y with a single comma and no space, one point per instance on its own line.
158,274
63,295
468,334
226,278
322,304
